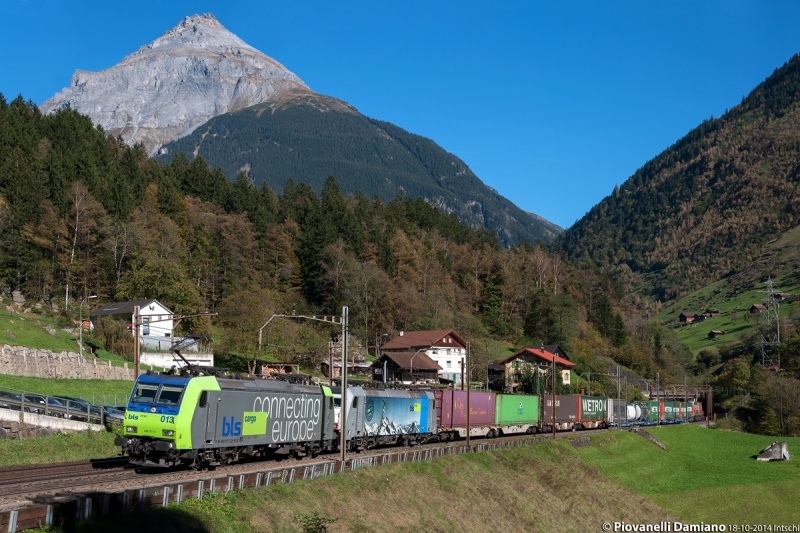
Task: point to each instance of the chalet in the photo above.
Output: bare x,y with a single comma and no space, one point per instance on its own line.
357,364
445,347
713,334
710,313
687,317
556,349
758,308
405,367
362,368
509,370
156,333
149,311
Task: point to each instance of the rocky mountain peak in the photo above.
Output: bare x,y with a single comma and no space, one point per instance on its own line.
167,88
197,31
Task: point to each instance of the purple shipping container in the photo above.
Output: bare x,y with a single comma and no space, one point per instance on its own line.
451,408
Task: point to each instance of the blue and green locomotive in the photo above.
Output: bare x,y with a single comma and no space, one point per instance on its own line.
210,420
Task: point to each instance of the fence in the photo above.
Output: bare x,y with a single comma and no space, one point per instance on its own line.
56,406
86,506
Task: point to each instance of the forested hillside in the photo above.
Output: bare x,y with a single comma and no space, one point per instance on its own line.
309,137
707,205
81,214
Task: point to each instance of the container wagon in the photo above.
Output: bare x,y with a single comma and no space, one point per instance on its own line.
451,414
593,412
567,412
515,413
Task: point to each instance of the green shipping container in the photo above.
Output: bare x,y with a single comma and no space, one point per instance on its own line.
672,410
594,408
516,409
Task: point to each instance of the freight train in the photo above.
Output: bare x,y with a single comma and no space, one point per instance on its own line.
205,421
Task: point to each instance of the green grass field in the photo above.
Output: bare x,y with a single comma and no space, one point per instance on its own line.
705,475
20,330
100,391
58,448
538,488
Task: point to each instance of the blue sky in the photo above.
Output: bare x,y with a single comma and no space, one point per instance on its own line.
550,103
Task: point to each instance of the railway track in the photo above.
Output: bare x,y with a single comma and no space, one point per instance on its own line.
65,479
51,481
82,495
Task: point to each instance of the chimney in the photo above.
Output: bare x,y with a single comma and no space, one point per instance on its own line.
401,333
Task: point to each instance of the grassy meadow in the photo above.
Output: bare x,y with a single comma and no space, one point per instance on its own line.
532,488
705,475
58,448
99,391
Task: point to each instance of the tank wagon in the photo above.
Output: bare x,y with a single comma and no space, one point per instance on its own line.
208,420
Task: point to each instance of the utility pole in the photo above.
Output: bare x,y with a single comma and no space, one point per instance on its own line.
344,402
330,363
619,403
554,394
487,366
658,393
136,342
468,391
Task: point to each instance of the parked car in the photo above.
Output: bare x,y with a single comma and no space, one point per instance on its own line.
78,408
31,401
7,397
114,415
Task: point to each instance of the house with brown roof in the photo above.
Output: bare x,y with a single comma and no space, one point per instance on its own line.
687,317
713,334
509,370
758,308
405,367
444,346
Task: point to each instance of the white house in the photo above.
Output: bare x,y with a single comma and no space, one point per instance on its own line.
156,335
445,347
156,319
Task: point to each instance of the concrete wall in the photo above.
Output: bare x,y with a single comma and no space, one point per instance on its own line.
36,425
22,361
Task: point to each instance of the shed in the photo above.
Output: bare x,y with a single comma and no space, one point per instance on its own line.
406,367
714,333
687,317
777,451
758,308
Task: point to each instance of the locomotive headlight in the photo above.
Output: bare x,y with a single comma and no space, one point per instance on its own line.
167,432
130,429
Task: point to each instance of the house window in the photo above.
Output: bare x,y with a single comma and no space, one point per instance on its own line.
448,364
448,351
435,352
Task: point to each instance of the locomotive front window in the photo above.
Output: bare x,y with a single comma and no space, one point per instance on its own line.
144,393
169,395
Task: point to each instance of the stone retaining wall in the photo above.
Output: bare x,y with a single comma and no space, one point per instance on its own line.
32,362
